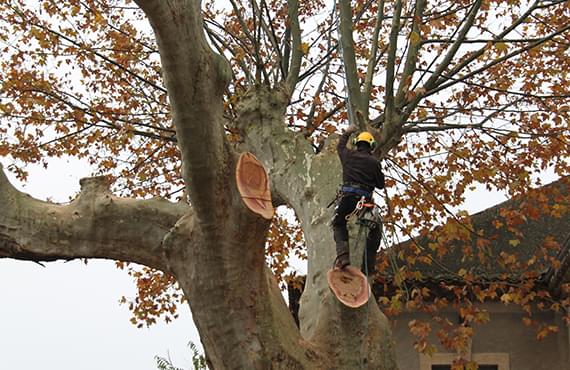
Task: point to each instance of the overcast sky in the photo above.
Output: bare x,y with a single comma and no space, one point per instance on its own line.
67,316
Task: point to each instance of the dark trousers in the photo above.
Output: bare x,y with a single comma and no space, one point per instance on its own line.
346,205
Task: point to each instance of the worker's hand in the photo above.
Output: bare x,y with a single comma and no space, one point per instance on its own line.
351,129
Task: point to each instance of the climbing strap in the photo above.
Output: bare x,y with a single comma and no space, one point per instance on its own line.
355,190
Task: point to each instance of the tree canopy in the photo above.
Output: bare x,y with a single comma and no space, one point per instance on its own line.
456,93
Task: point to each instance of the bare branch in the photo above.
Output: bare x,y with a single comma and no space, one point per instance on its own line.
444,127
99,55
412,56
355,101
373,54
391,63
219,42
311,115
496,61
455,47
242,22
108,123
505,91
297,52
270,31
480,41
480,52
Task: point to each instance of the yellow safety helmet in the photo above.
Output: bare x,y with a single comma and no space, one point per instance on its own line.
366,137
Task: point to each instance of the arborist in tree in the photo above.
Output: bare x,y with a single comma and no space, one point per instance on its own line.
361,173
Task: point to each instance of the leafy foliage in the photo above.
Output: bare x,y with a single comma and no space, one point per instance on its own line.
284,241
158,295
198,360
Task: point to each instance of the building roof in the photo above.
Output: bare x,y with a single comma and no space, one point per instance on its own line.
524,237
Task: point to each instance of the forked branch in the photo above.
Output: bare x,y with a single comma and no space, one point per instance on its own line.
96,224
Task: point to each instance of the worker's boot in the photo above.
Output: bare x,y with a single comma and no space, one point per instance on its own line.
342,254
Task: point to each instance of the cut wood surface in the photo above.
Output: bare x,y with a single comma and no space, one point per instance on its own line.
349,285
253,185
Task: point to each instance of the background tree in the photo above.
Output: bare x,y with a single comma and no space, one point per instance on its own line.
456,93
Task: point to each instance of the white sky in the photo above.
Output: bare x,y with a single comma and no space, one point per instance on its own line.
67,316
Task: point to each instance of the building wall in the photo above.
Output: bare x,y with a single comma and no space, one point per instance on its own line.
504,338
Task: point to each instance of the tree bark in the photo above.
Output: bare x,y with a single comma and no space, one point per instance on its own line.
308,182
94,225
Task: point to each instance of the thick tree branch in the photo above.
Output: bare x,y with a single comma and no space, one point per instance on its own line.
96,224
297,52
391,63
372,61
196,78
355,101
412,56
229,257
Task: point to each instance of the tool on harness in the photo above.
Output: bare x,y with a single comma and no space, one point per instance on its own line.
367,214
336,198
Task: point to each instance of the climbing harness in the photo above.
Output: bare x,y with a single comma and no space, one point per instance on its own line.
350,188
366,212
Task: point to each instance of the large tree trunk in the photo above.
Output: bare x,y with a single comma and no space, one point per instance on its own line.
352,338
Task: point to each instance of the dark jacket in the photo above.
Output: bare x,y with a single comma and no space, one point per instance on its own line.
359,166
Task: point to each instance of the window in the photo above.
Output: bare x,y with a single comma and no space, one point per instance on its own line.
481,367
486,361
440,367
